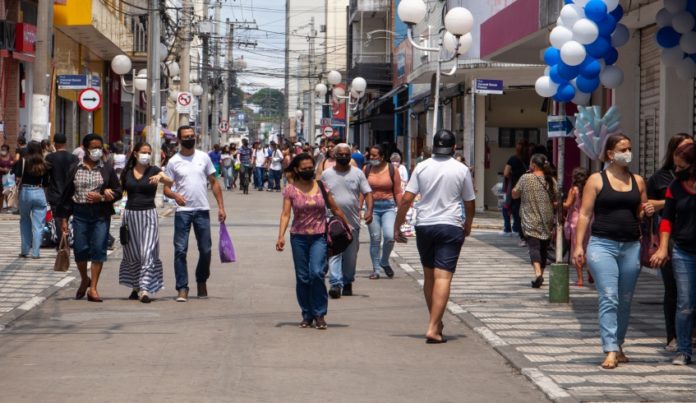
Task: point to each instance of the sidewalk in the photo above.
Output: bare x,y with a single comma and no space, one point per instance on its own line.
557,346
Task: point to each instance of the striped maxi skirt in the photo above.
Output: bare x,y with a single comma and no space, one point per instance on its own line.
141,266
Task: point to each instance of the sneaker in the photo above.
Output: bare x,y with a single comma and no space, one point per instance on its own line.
134,294
335,292
671,346
202,290
348,290
183,295
503,233
145,297
320,323
681,359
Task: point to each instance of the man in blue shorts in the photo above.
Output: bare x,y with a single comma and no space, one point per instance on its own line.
445,185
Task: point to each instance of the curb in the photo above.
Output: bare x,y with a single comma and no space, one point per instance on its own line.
516,359
33,302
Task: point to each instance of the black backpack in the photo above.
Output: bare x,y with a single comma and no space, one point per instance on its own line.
338,236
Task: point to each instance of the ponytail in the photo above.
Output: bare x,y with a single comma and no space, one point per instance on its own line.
540,161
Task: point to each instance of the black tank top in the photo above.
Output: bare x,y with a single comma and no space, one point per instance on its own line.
616,213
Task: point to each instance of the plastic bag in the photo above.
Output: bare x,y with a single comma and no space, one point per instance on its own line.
8,181
227,253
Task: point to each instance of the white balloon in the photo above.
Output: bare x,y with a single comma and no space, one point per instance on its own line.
620,36
573,53
570,14
585,31
545,87
672,56
611,77
581,3
547,70
611,4
683,22
663,18
559,36
675,6
688,42
686,69
581,98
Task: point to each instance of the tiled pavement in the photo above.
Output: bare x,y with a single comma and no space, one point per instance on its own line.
557,345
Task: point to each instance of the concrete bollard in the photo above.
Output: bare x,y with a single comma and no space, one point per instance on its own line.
559,290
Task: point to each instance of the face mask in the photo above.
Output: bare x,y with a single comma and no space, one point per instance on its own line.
3,153
623,159
682,175
188,143
374,163
144,159
95,154
306,175
343,160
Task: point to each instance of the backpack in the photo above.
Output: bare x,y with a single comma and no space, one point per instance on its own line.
368,168
338,236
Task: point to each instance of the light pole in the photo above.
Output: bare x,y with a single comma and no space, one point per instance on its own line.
457,40
356,90
298,123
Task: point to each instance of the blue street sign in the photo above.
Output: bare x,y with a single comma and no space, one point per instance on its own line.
484,87
558,126
77,82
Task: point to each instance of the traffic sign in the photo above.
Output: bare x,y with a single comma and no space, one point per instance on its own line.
224,126
89,99
184,102
485,87
325,122
559,126
328,131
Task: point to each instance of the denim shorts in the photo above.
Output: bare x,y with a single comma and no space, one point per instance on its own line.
90,233
439,245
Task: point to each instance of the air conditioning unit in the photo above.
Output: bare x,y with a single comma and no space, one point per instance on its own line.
322,28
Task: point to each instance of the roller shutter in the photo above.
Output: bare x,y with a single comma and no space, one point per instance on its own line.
649,149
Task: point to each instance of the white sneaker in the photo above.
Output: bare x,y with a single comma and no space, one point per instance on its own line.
503,233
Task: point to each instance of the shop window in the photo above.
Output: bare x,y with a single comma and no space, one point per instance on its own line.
508,137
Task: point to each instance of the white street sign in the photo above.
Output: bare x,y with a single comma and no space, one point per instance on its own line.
184,103
328,131
224,126
89,99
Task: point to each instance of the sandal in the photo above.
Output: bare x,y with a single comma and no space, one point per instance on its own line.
621,357
610,363
374,276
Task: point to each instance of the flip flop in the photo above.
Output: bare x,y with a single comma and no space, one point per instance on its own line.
429,340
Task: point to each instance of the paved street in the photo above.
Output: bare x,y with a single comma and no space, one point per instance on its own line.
243,343
557,345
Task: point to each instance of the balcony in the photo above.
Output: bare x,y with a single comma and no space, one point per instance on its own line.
376,8
95,24
376,68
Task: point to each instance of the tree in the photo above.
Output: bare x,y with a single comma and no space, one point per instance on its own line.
270,100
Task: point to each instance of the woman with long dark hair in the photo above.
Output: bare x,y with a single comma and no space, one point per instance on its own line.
537,190
657,189
572,206
141,267
303,198
32,171
618,201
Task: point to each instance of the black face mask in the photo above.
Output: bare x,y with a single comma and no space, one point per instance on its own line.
188,143
343,161
306,175
683,174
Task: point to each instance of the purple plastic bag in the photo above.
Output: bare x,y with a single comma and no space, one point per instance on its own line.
227,253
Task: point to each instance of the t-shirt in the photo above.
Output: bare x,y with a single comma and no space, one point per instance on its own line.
226,160
403,174
309,211
260,158
59,167
518,168
443,184
679,217
141,194
346,188
28,178
245,154
382,184
190,175
658,183
215,157
359,159
536,209
277,160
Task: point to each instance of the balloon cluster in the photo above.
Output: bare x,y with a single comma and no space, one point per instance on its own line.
592,130
583,51
677,36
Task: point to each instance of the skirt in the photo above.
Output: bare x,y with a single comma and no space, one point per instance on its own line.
141,266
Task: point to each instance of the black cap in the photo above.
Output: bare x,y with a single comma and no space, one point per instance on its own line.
59,138
443,142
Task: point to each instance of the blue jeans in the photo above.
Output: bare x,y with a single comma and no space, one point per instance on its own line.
228,173
258,177
183,220
32,214
274,179
90,233
615,267
684,266
507,225
342,267
382,226
309,256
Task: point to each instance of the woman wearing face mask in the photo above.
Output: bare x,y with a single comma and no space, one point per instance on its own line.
679,225
89,196
657,188
618,200
141,268
385,182
303,198
32,171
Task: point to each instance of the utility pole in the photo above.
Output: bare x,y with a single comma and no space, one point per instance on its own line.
41,99
153,79
204,80
310,76
185,57
216,68
228,74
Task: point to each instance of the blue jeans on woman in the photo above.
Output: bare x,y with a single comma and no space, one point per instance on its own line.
382,227
684,266
228,173
309,255
615,267
32,215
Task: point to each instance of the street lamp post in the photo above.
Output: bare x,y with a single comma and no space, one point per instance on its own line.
298,123
356,90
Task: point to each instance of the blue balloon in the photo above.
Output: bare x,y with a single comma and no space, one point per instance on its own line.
598,48
667,37
565,93
618,12
587,85
555,76
611,56
607,26
567,72
552,56
590,68
596,10
568,1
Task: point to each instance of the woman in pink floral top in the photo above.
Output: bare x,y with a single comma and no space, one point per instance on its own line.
304,199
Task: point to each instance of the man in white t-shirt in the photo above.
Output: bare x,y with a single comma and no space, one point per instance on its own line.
275,167
191,170
260,155
445,186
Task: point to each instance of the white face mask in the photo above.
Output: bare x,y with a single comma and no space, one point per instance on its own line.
144,159
623,159
95,154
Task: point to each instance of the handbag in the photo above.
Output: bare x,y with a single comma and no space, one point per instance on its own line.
649,242
62,262
225,246
338,236
13,196
124,234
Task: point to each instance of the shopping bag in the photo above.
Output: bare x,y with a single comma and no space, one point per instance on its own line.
63,257
227,253
13,198
8,181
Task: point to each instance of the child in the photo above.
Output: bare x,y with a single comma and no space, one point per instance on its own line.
572,205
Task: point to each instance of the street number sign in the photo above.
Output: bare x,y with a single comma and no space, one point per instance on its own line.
89,99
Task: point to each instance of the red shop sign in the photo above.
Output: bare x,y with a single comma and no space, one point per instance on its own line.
25,38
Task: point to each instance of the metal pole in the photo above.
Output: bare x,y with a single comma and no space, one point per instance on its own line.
205,84
132,126
153,76
185,57
228,77
40,100
216,68
436,100
349,138
312,120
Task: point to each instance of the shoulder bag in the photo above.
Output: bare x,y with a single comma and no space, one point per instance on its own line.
338,236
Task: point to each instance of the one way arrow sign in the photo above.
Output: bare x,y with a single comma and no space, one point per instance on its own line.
89,99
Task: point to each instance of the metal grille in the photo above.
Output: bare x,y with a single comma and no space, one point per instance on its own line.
649,102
